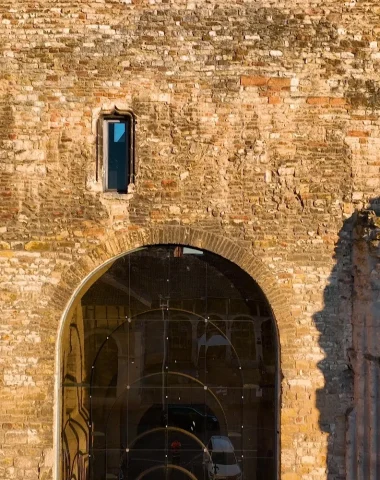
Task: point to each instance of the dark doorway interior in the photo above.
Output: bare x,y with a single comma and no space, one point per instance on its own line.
179,368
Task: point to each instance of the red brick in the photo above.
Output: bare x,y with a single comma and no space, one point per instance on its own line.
338,102
279,83
169,184
358,133
318,100
274,100
149,185
253,81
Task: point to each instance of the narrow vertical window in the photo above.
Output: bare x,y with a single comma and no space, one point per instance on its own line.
118,152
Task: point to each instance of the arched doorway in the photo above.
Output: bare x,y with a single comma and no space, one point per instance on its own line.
173,371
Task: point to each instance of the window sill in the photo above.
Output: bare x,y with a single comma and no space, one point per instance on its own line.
117,195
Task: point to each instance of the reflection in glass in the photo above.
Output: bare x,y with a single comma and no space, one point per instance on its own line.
169,372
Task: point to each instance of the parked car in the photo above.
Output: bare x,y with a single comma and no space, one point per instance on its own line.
220,460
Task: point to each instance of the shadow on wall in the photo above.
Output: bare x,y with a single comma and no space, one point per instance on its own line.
335,400
349,401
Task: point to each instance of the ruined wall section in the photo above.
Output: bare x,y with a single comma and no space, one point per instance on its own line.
362,435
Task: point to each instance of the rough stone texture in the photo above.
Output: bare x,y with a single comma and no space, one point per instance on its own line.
363,431
257,122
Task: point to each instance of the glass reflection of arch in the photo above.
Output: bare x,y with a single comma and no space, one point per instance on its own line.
168,467
75,434
217,339
180,338
75,467
158,311
167,430
267,336
244,339
181,375
212,330
105,375
208,327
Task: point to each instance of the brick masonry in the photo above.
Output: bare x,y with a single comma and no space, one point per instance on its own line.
257,137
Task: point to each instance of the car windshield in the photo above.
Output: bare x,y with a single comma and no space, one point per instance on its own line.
224,458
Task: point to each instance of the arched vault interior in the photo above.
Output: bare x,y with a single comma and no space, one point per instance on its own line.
169,371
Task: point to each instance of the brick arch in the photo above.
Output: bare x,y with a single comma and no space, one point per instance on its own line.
78,278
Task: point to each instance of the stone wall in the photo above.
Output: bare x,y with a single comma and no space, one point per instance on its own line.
257,121
363,419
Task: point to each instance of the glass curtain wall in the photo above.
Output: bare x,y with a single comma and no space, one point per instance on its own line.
170,372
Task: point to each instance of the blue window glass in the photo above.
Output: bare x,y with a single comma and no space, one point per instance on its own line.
118,168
